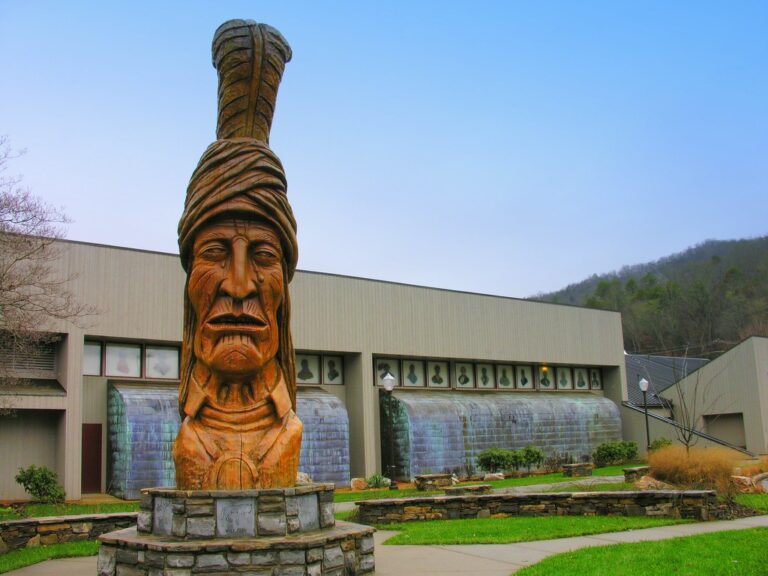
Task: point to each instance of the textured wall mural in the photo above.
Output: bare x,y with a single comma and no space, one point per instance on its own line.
444,432
144,420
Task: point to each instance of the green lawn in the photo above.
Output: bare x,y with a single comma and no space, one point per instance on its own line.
508,530
757,502
347,515
740,552
615,487
20,558
42,510
381,493
506,483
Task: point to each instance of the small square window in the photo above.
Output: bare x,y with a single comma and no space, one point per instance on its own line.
162,362
123,360
92,359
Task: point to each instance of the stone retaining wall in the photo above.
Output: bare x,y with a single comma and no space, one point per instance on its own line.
203,514
28,533
693,504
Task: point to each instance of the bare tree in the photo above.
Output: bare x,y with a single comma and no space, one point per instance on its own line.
693,400
32,294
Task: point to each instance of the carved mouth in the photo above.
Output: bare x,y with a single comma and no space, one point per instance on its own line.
232,322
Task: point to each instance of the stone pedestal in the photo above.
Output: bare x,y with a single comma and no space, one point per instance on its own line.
289,531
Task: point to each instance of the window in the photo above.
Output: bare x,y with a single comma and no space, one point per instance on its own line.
162,362
92,359
123,360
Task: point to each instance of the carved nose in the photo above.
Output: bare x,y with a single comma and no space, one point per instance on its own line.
239,283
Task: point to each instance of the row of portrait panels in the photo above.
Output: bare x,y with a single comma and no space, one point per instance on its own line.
319,369
414,373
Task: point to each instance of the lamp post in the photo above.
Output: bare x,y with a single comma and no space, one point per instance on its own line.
389,384
643,384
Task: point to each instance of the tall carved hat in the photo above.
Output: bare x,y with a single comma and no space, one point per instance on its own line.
239,173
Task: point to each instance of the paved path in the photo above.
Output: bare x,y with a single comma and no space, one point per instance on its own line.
475,560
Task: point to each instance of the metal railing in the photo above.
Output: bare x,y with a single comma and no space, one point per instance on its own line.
699,433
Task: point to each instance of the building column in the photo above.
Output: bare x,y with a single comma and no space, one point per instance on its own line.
69,449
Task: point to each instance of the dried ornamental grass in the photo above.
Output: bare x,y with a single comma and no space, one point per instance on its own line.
709,468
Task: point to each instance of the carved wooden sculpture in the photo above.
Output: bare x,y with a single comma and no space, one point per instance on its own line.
237,239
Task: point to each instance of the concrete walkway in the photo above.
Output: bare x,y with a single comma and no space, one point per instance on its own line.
479,559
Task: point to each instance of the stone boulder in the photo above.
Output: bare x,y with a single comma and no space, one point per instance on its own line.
650,483
745,484
493,476
357,484
303,478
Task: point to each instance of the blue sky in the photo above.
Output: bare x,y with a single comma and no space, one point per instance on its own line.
498,147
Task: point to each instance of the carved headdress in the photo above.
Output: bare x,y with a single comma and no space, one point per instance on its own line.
239,174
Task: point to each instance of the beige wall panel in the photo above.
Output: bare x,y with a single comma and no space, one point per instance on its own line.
761,369
137,294
727,385
341,313
29,437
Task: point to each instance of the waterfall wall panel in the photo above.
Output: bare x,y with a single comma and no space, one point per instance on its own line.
443,432
144,421
325,440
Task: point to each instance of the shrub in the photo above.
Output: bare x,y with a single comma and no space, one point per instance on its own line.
516,459
532,456
378,481
41,483
555,462
494,459
701,469
660,443
612,453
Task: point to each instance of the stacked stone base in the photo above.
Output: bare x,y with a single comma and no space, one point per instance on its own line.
255,532
344,549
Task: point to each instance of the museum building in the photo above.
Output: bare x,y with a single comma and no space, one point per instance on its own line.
471,371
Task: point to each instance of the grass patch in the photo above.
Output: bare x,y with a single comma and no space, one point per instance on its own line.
614,487
738,552
757,502
380,494
347,515
28,556
509,530
43,510
506,483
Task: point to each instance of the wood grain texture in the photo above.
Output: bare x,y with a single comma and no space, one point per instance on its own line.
250,59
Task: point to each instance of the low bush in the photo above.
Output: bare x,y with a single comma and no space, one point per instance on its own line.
614,453
378,481
495,460
41,483
660,443
532,456
701,469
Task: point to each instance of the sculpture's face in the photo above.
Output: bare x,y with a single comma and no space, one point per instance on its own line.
236,287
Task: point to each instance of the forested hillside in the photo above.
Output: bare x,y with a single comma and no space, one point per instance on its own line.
699,302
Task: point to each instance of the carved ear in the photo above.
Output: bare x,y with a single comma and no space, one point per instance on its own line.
250,59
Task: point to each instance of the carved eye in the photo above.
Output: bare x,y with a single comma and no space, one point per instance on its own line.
265,255
213,252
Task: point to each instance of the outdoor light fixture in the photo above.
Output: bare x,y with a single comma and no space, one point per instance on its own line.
643,384
388,381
